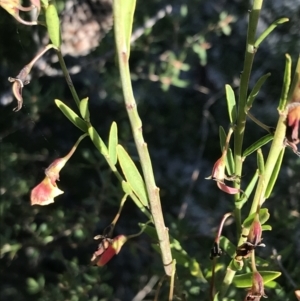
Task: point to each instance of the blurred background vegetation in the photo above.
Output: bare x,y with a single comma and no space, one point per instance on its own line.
183,53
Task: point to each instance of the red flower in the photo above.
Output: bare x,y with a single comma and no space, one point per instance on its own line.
45,192
107,249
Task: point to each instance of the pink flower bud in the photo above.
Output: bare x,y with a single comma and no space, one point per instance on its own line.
255,232
257,290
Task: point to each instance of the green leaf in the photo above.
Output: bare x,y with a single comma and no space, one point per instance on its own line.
227,246
71,115
255,90
260,161
286,83
245,280
123,19
113,142
257,144
33,286
53,27
274,174
84,109
264,215
269,30
222,135
230,165
266,227
216,297
294,90
231,103
239,203
132,175
150,231
98,142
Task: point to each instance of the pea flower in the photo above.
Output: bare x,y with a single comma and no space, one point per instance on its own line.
218,172
107,249
257,290
13,7
45,192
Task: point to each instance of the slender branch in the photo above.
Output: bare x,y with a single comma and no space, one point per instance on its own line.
241,124
136,125
67,77
241,121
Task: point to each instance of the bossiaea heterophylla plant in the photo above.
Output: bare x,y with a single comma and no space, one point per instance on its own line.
250,231
141,187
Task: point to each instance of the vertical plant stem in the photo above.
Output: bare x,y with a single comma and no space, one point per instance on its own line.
123,52
241,123
241,120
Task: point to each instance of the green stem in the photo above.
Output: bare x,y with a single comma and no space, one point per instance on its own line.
241,123
136,125
241,120
68,78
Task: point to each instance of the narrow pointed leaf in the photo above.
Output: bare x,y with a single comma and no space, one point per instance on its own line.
132,175
257,144
269,30
112,143
84,109
231,103
274,174
245,280
256,90
286,83
71,115
98,142
53,27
